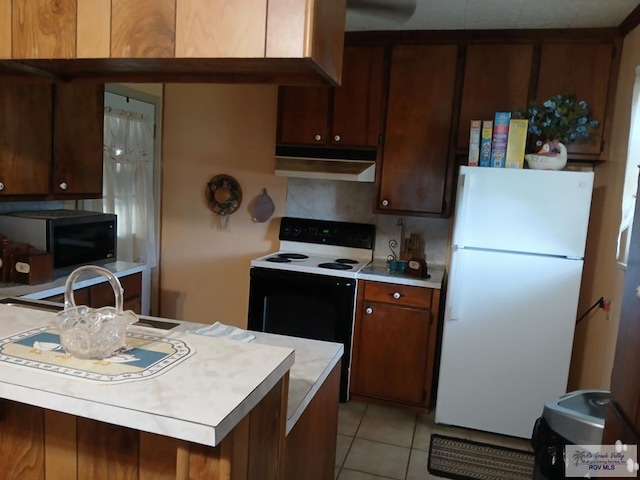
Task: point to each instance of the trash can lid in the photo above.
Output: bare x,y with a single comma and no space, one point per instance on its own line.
578,416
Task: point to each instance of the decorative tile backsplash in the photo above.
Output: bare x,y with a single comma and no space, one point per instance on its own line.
353,202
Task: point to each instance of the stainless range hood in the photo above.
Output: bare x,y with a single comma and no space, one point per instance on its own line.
355,165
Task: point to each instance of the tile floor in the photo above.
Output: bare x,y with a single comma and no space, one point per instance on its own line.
377,442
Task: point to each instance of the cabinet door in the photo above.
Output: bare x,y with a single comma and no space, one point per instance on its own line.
583,69
625,387
357,103
496,78
25,139
392,353
303,115
80,297
78,139
102,293
418,126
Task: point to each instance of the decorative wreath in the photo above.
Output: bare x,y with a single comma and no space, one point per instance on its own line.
223,194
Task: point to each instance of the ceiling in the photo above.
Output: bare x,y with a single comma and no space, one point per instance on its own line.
488,14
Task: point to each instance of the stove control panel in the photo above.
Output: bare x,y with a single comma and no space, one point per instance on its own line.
327,232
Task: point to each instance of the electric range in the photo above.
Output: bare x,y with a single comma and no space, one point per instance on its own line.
321,247
308,287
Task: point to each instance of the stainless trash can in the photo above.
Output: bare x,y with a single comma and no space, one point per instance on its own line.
576,418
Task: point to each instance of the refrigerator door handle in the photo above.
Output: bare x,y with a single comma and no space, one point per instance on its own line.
462,209
455,293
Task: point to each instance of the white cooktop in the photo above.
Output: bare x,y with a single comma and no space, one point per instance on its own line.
310,265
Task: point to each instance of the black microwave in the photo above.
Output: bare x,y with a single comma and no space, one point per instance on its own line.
73,237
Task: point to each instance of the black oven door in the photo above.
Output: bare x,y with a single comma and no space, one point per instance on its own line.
304,305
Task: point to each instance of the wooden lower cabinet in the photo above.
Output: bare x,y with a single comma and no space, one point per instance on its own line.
101,294
311,443
394,343
40,444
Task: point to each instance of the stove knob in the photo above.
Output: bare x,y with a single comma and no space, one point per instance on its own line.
296,231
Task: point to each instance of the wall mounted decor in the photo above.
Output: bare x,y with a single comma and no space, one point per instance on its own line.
224,197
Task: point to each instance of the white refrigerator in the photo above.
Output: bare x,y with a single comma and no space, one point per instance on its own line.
511,305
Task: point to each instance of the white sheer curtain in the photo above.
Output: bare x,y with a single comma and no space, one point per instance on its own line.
128,183
631,175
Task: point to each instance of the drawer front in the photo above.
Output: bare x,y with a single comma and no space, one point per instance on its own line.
405,295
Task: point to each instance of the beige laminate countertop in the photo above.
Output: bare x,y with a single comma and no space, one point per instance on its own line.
378,271
56,287
200,399
314,361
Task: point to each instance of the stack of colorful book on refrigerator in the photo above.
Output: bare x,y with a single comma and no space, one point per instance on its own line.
499,142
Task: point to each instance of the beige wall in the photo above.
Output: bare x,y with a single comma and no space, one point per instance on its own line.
209,130
595,339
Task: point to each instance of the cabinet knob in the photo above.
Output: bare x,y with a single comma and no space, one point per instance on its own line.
64,185
384,203
368,310
397,295
318,137
337,138
1,186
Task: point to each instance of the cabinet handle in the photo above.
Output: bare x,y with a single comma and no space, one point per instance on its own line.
397,295
1,186
384,202
64,185
337,138
368,310
318,137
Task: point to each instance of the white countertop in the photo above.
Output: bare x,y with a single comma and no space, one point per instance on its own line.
199,400
56,287
314,361
378,271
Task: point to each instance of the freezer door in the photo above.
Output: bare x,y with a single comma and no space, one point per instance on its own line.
533,211
507,339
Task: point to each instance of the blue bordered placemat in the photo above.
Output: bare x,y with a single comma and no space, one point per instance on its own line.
146,356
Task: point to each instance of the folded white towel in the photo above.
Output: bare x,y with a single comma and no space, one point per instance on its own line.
226,331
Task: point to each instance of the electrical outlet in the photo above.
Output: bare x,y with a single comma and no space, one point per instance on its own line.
607,308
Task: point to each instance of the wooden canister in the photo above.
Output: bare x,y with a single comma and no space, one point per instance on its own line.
417,266
31,267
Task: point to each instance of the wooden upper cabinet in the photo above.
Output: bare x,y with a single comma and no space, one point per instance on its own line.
584,69
304,113
25,138
496,78
78,139
357,103
43,29
275,41
144,28
418,125
349,115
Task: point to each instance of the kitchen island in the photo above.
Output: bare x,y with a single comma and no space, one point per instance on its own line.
222,412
